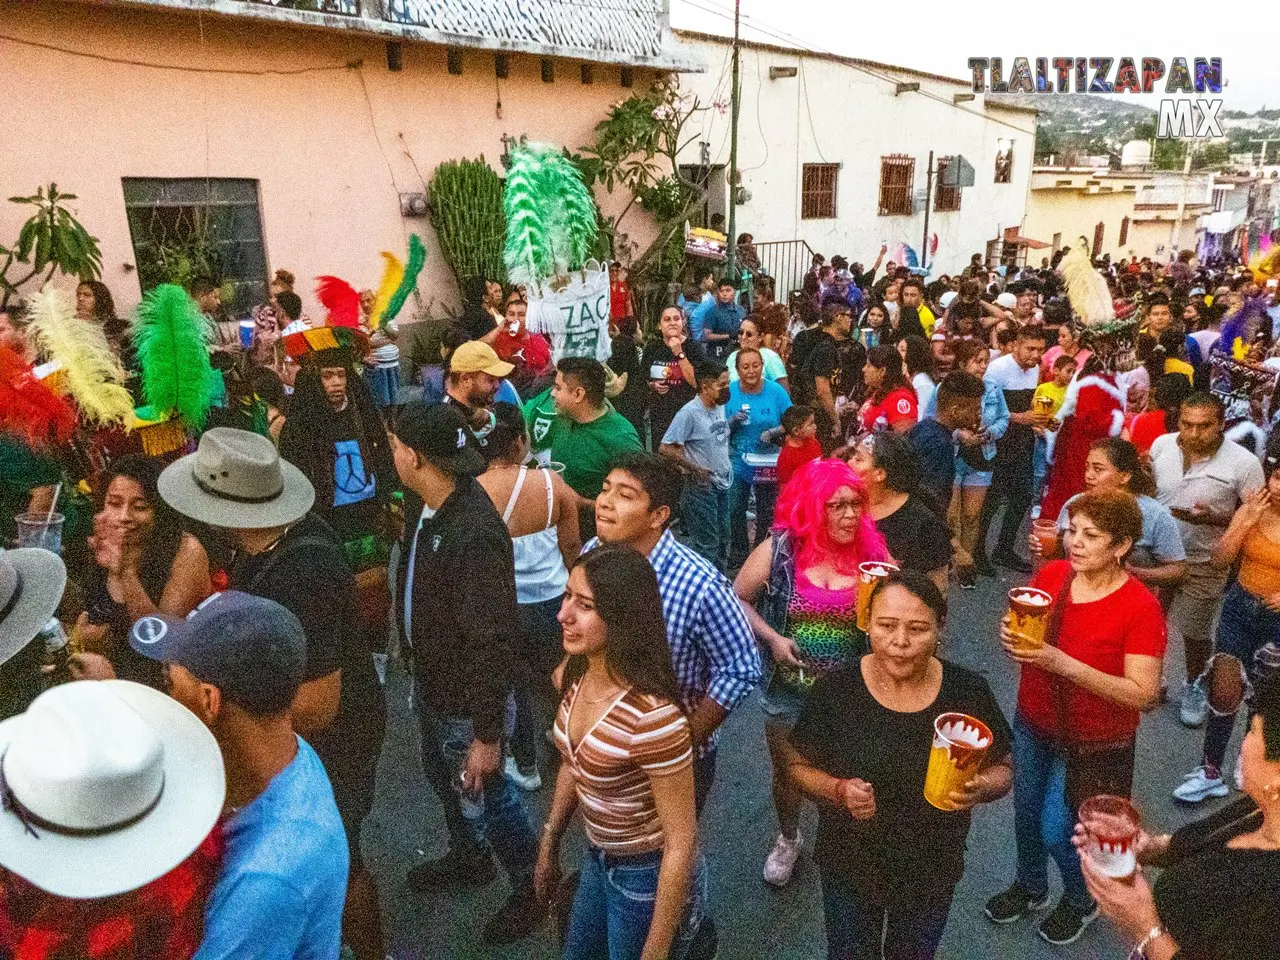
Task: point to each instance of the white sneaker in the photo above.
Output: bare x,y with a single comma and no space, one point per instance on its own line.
1194,708
781,861
1197,786
528,782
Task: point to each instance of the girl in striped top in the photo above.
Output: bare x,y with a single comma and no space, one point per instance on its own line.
628,766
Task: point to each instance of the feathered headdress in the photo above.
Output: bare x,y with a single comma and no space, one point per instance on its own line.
551,215
345,344
1086,288
341,300
1266,265
392,275
409,282
29,408
1236,334
88,369
169,333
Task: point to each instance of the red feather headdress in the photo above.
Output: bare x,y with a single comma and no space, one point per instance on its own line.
29,408
341,300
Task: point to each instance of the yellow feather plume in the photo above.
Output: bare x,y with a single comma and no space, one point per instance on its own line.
90,372
1265,266
392,274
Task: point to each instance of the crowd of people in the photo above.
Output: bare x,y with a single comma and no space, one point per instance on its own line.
586,567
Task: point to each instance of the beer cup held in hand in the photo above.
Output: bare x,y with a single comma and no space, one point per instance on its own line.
869,574
1028,616
1046,534
960,744
1111,827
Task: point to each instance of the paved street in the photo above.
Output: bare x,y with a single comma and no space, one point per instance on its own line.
754,920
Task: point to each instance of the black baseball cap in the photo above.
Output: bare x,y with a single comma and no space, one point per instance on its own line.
252,649
439,432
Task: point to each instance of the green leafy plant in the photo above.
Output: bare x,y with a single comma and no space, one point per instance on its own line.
465,199
51,241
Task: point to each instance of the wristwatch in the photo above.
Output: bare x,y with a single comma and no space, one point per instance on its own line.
1139,951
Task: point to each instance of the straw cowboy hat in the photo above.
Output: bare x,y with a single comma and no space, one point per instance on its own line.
236,479
31,584
107,786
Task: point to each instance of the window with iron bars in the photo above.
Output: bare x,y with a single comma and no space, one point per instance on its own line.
946,199
198,228
1124,231
818,191
897,176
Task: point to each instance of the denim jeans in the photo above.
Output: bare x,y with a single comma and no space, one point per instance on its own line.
614,904
540,650
1244,626
704,777
739,497
1043,822
856,927
704,513
501,819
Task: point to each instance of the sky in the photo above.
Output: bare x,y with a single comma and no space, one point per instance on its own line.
931,37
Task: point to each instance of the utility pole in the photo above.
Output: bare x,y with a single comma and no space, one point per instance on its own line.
1265,143
1182,204
731,248
928,202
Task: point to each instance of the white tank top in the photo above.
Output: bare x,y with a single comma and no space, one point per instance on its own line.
540,571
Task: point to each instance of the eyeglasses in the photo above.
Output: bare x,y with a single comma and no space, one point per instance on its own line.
841,507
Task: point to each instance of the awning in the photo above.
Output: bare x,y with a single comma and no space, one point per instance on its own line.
1224,221
1011,236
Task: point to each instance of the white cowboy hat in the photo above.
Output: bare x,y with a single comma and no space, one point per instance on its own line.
236,480
31,584
107,786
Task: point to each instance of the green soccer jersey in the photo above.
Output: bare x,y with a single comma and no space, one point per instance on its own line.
587,450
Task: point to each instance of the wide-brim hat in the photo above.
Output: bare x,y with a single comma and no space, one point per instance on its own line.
31,585
315,343
236,480
89,863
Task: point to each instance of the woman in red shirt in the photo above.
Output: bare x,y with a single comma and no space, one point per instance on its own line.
891,399
1079,701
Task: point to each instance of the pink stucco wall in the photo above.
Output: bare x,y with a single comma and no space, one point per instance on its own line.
330,162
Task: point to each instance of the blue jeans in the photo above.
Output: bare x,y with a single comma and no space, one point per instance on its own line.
1043,822
1244,626
614,904
739,497
704,512
856,927
499,817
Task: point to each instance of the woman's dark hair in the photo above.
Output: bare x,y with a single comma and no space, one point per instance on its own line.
290,303
1125,458
894,454
886,357
104,306
266,384
966,350
161,546
507,433
624,590
474,289
1171,390
919,586
919,357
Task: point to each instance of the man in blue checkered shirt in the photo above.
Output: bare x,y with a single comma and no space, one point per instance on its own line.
713,650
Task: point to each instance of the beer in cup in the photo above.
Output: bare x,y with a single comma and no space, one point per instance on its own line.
1111,827
960,743
1046,534
1028,616
869,574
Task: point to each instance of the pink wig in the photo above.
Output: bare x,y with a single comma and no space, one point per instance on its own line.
802,513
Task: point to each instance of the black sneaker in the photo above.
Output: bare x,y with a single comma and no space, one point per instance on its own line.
454,869
1011,561
1014,904
521,915
967,577
1066,923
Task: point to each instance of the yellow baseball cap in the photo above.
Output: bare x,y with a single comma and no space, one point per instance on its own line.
476,356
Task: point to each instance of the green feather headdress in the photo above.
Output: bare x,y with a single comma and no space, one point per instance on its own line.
170,334
408,282
551,215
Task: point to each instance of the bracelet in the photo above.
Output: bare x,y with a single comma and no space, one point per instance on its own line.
1139,952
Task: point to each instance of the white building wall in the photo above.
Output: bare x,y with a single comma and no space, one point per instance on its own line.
836,112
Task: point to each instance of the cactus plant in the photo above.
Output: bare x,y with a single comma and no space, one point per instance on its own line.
465,199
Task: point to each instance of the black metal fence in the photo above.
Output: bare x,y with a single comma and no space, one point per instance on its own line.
786,261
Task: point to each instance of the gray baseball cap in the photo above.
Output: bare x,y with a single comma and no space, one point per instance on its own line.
250,648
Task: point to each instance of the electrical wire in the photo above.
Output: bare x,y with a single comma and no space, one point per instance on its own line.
759,122
355,64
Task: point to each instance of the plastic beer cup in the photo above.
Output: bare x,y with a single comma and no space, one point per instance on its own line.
41,530
869,574
1111,827
1046,533
1028,616
960,744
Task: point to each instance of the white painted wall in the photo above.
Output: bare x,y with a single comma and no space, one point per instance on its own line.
835,112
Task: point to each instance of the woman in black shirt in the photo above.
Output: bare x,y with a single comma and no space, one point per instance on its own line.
916,537
1219,895
861,750
668,363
